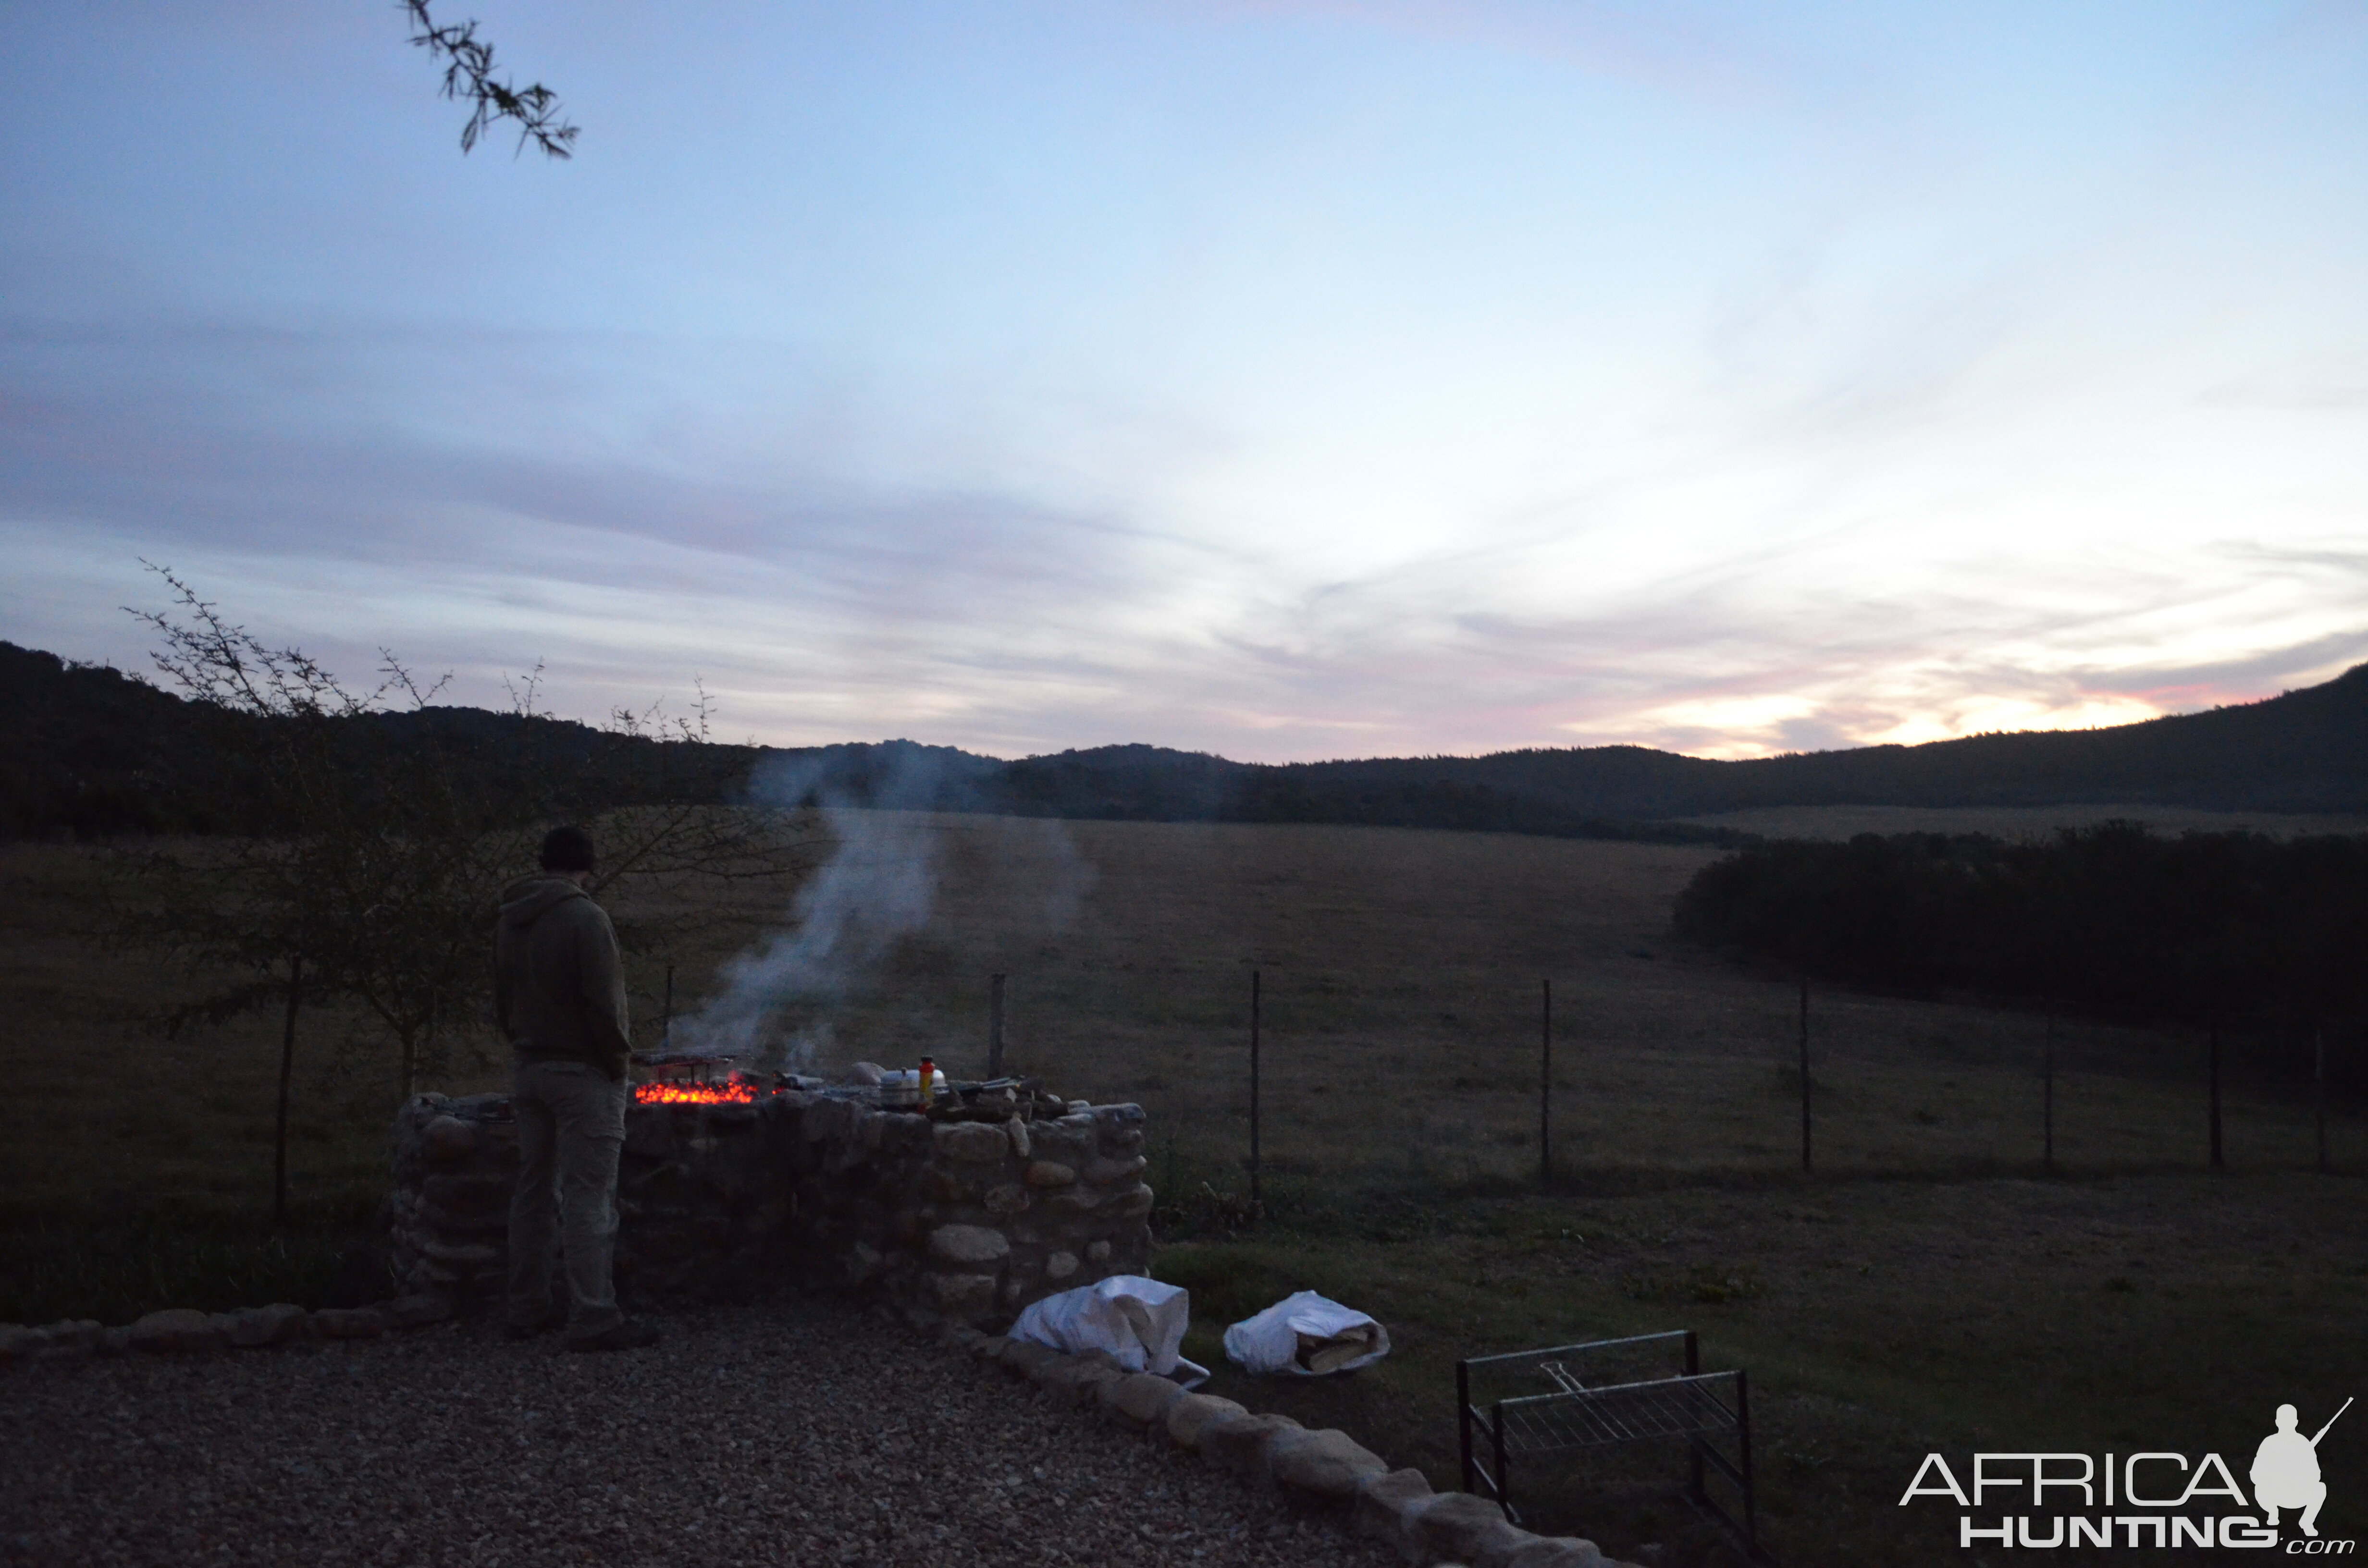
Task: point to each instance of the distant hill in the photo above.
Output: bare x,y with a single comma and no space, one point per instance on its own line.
88,751
2305,751
92,752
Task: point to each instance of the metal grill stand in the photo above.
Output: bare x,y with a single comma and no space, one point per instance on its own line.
1705,1409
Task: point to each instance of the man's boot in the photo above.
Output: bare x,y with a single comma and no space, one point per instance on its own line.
622,1336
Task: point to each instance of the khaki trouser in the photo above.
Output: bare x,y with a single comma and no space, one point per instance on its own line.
570,1121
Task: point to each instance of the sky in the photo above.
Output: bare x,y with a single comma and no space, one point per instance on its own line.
1290,380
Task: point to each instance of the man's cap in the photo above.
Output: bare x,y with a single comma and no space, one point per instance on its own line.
568,848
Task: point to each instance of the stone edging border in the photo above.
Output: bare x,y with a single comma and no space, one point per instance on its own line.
1327,1469
187,1331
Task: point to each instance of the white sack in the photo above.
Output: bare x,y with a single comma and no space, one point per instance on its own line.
1140,1321
1304,1329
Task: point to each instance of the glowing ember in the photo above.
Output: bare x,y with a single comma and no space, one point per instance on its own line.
684,1091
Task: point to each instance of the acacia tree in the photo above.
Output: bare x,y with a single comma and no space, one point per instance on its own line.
373,841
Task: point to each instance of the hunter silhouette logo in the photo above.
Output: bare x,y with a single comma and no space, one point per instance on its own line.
2286,1470
2150,1499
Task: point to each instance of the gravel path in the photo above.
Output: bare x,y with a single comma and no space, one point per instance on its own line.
799,1432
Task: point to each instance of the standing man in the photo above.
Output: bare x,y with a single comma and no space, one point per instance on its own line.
559,994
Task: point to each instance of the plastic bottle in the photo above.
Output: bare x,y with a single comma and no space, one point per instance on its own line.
928,1079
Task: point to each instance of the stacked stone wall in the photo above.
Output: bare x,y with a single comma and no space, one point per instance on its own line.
971,1218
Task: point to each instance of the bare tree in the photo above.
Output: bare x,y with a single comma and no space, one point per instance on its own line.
468,62
376,842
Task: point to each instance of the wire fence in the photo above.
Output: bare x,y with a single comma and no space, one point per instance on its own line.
1310,1081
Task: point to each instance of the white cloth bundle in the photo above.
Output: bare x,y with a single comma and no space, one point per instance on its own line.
1306,1335
1140,1321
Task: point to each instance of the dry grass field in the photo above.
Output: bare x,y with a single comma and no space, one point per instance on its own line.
1926,1288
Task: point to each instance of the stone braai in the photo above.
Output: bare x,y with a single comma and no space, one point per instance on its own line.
973,1218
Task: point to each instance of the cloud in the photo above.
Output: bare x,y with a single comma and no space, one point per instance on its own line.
351,488
2242,678
214,446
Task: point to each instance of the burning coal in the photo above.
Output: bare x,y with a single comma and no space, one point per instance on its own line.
690,1092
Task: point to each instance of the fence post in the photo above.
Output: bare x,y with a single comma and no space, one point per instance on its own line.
2217,1162
2047,1097
2318,1093
1805,1072
287,1070
995,1026
1254,1088
1545,1087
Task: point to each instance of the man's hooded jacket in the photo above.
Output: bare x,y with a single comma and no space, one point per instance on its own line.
559,985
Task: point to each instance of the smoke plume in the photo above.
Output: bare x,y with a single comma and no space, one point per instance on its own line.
879,886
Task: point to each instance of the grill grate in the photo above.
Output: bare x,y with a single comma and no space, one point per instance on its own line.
1589,1418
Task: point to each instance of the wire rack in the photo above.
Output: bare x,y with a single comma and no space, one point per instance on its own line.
1623,1412
1710,1412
